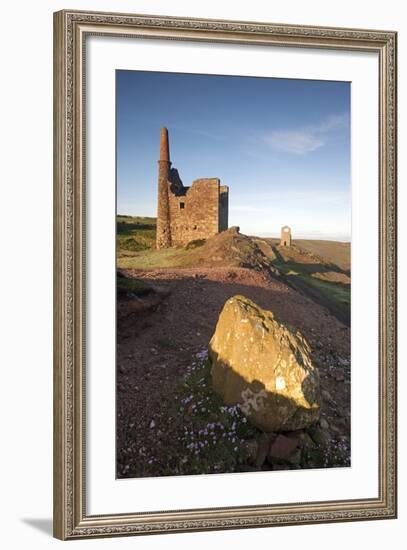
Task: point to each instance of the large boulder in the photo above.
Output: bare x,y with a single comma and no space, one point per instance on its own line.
265,366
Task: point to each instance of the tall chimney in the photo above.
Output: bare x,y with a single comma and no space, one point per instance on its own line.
164,145
163,239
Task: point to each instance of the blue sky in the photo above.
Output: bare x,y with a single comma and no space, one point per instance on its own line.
282,146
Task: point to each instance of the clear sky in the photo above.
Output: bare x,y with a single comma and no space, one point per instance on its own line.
282,146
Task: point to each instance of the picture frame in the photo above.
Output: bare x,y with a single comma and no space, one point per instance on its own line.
72,519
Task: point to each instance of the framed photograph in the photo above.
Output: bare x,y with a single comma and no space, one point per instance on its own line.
225,274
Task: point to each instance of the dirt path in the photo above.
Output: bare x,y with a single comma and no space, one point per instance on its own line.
158,339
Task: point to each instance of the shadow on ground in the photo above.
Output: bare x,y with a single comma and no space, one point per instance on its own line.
158,342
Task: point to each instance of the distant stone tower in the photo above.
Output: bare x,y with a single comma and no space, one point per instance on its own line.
285,236
186,214
163,207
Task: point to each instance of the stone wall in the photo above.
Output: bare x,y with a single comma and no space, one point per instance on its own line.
195,214
187,214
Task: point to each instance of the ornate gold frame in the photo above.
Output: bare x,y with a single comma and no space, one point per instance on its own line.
70,31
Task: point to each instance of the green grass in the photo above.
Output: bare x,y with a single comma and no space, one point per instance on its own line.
136,246
151,258
337,293
134,234
132,287
213,434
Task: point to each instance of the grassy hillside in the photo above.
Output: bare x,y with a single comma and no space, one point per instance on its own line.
334,252
136,249
136,246
329,252
318,269
135,233
318,276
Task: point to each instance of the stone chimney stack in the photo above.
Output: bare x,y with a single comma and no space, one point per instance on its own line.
164,145
163,209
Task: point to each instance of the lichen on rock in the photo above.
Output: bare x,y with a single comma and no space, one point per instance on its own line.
265,366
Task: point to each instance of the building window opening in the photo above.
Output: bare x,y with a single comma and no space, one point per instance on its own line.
182,204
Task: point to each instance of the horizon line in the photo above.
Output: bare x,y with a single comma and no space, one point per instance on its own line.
301,235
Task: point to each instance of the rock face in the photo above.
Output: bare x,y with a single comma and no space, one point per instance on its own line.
263,365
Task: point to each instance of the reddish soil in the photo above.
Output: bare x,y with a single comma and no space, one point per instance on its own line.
159,335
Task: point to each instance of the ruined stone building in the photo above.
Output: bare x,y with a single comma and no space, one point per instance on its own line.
285,236
186,214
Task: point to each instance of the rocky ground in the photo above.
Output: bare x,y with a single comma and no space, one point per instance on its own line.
169,422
